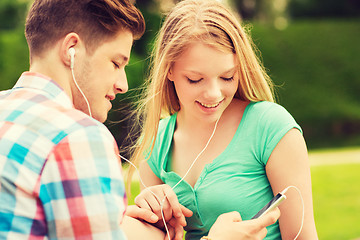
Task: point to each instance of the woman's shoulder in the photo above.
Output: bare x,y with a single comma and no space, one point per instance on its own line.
165,122
166,127
271,115
265,105
265,108
267,113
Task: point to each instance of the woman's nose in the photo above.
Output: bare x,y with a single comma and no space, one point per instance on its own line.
213,89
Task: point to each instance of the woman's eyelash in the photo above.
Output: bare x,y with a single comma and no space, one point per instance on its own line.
228,79
193,81
198,80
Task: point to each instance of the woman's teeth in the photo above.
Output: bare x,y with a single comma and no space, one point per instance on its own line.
209,105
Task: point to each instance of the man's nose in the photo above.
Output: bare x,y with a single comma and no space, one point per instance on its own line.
121,85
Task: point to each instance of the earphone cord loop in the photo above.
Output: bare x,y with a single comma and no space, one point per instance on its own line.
303,208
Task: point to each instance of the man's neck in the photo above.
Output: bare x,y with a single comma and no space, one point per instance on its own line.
51,67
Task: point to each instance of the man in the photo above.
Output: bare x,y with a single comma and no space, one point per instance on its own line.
60,173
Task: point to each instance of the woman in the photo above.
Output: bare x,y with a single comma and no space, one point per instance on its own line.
212,131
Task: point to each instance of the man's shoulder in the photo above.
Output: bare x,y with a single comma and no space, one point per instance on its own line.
42,115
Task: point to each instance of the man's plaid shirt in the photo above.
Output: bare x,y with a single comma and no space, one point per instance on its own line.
60,174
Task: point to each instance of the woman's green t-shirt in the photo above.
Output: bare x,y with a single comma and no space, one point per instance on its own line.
236,180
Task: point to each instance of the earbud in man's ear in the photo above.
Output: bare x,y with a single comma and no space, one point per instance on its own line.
72,57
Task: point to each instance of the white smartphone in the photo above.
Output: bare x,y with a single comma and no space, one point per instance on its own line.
270,205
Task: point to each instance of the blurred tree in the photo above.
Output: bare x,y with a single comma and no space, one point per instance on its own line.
274,12
13,47
278,12
314,58
12,13
324,8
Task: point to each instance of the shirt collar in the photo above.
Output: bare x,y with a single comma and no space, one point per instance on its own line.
45,84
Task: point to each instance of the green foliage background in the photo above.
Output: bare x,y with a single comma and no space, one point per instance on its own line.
314,63
314,66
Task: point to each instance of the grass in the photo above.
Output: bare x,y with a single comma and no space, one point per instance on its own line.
336,196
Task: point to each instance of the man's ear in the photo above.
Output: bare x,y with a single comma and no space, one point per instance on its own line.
71,40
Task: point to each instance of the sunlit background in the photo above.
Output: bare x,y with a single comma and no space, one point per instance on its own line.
311,51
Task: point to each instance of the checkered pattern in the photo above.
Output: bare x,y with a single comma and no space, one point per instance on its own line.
60,176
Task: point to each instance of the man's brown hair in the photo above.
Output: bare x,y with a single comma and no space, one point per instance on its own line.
94,20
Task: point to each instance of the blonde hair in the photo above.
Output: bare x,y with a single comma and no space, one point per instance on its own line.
212,23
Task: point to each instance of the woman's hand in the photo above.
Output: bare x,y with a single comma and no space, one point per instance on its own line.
229,226
162,200
141,214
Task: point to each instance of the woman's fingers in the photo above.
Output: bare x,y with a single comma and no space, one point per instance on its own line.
148,201
187,212
173,201
162,200
269,218
178,229
141,213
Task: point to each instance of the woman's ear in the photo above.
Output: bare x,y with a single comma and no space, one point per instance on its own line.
170,75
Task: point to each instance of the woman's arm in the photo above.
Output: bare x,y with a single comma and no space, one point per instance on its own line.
148,176
288,165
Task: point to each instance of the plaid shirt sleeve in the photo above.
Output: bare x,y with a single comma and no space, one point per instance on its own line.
81,189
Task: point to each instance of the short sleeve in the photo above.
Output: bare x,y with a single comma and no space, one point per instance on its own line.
159,156
154,162
274,122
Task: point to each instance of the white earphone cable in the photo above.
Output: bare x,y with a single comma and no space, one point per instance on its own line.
182,179
72,54
77,86
303,208
201,152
